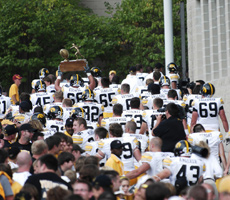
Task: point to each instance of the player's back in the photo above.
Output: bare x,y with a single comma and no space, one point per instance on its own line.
75,94
136,115
208,110
104,96
92,110
154,159
5,104
105,122
189,168
124,100
41,98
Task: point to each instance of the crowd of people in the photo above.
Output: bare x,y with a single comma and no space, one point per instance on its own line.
149,136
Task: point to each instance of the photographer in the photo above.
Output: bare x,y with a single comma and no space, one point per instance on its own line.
171,129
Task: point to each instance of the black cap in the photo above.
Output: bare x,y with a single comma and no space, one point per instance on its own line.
27,127
38,109
76,147
13,152
132,69
103,181
10,130
116,144
69,121
25,106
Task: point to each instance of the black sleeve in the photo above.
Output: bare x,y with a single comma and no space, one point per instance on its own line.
159,130
34,181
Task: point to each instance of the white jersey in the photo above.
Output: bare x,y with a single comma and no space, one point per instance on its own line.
150,76
91,148
213,139
5,104
177,102
47,107
208,110
14,109
86,81
165,91
124,100
155,160
93,110
105,122
133,82
55,125
143,140
136,115
141,89
116,87
148,100
104,96
41,98
188,99
127,157
174,78
141,76
150,119
82,137
22,118
191,168
73,93
92,125
50,88
67,113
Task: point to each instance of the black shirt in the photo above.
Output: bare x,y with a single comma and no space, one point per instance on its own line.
171,131
45,181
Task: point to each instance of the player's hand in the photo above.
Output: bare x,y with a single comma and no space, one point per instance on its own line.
87,69
60,73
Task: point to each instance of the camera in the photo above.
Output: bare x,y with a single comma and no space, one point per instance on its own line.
162,110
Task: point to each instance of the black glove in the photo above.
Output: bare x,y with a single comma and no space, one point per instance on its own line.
87,69
60,73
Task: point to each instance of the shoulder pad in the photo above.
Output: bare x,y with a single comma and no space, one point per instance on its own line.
193,103
146,157
185,98
167,162
114,100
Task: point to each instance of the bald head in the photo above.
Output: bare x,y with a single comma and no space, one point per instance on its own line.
155,143
24,159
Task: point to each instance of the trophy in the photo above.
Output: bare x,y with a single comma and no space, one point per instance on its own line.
72,65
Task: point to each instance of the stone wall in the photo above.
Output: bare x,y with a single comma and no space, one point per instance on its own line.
208,23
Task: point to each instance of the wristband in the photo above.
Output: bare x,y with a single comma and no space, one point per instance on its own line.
88,74
59,77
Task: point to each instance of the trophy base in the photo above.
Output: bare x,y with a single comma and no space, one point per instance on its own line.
73,65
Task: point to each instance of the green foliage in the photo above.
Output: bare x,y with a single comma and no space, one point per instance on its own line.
33,32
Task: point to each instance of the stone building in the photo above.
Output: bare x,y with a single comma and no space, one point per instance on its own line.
208,30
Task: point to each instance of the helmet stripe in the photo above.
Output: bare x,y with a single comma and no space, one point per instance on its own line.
77,78
164,79
41,83
211,88
90,95
187,146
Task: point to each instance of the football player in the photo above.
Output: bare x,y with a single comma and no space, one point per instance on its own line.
173,75
104,96
41,97
55,122
124,98
132,80
186,168
151,160
81,134
116,118
136,114
4,103
93,110
42,74
207,109
76,88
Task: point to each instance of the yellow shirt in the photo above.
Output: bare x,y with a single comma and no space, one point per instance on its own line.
115,163
14,91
